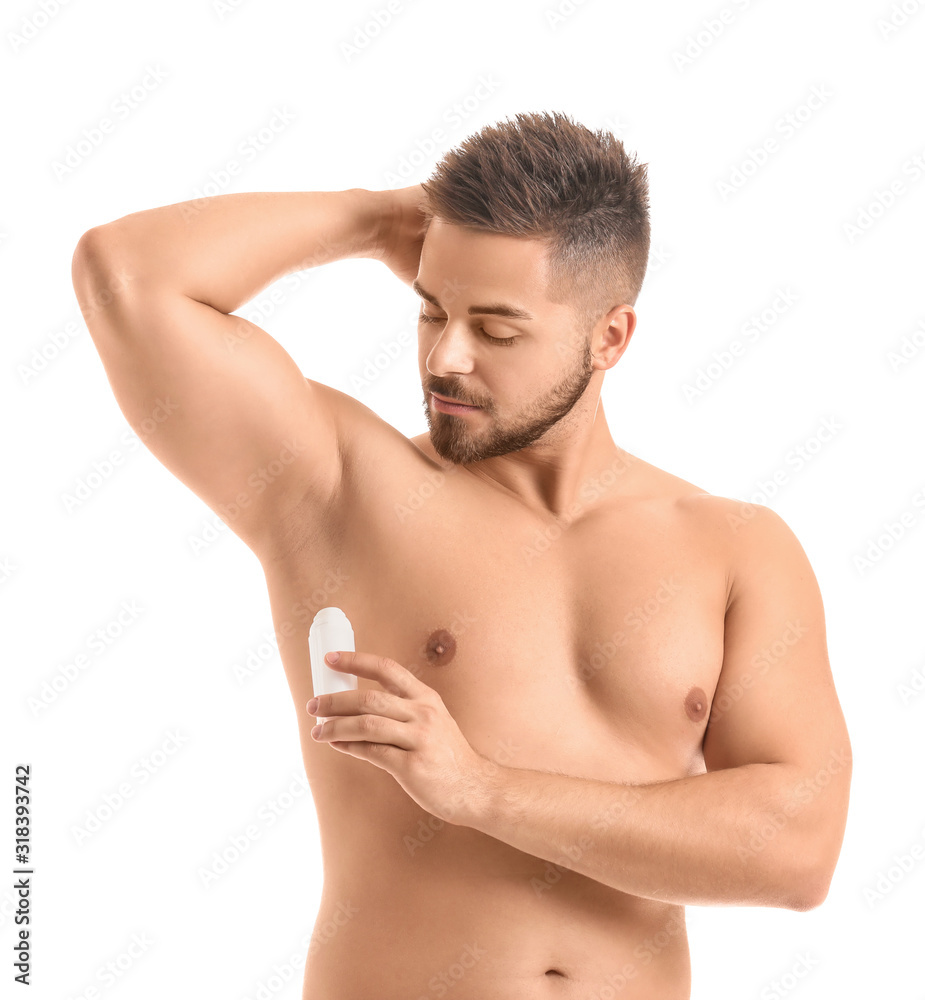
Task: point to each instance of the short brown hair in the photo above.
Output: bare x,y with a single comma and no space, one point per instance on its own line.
545,177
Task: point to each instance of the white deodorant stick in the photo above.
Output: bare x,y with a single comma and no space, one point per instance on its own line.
331,630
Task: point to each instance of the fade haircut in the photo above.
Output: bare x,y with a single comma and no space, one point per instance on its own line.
547,178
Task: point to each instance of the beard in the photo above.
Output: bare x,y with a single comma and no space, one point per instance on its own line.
460,439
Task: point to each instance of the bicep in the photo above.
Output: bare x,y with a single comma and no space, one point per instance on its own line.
216,399
775,701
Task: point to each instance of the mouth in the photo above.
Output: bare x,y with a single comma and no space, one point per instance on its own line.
451,406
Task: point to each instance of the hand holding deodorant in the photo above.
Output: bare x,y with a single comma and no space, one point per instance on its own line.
330,631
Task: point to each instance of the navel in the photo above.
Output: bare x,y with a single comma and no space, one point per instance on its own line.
695,704
440,648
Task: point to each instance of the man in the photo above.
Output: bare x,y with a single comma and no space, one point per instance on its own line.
589,693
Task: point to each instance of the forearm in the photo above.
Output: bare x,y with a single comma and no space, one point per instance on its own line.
691,841
224,250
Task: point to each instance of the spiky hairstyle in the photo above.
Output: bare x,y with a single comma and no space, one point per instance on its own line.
543,176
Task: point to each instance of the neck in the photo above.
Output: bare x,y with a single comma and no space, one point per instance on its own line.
570,470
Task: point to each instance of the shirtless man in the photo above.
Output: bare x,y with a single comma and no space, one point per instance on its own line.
589,693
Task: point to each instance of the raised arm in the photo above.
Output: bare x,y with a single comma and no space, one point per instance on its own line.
213,396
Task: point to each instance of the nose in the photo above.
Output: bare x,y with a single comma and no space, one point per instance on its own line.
451,353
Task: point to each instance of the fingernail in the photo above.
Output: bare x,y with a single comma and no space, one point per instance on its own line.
313,706
332,657
316,730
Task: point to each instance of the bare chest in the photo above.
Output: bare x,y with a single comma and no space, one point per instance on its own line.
590,648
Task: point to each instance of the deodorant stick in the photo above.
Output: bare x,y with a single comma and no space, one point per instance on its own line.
330,630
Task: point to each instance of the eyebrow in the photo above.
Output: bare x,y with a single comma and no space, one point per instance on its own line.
494,309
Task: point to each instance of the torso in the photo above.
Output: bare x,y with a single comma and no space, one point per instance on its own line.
592,649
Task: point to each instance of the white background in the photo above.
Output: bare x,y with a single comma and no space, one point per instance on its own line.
719,258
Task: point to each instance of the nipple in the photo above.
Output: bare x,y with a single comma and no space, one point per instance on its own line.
440,647
695,704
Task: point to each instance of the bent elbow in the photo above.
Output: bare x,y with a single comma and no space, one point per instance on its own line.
810,888
100,277
91,251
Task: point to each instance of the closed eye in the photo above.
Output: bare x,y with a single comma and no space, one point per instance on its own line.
501,341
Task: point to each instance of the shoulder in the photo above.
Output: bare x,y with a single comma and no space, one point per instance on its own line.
755,541
748,527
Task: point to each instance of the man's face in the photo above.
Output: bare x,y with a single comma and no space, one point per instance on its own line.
523,388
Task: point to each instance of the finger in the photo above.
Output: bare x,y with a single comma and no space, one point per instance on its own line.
391,675
389,758
368,701
366,729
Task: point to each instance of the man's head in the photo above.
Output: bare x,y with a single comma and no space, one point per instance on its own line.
552,219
